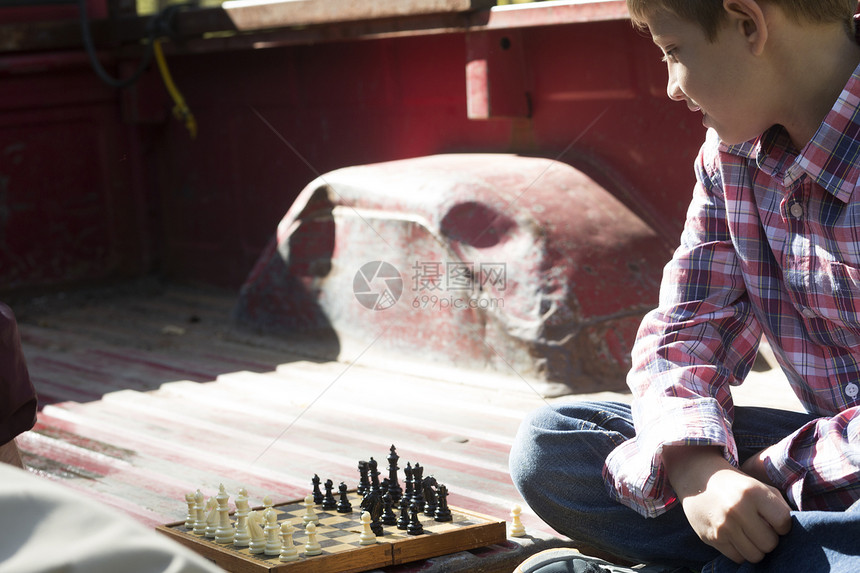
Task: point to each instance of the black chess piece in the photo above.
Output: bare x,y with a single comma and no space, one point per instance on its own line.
403,520
442,511
373,472
363,480
393,484
329,502
318,496
428,486
410,484
372,503
388,515
414,527
343,506
417,487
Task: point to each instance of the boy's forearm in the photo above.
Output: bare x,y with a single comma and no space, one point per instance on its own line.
690,467
9,454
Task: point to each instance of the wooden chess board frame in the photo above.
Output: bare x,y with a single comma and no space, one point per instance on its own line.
467,530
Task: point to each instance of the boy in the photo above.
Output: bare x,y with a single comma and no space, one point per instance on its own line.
771,246
17,396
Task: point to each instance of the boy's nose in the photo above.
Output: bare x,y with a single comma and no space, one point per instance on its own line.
673,90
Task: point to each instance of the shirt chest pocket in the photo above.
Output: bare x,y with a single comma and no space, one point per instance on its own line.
837,301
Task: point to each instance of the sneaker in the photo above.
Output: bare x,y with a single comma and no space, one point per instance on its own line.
566,560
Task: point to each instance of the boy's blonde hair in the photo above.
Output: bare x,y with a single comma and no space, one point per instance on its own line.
709,14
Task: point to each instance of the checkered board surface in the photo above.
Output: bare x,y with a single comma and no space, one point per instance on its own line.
338,535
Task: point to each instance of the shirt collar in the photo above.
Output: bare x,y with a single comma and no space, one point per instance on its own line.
831,158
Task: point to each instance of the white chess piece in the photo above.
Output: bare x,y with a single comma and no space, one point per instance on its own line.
243,536
200,510
191,515
288,548
273,539
367,537
310,515
258,537
517,528
312,547
224,533
211,517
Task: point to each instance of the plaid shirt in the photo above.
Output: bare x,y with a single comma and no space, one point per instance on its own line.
771,245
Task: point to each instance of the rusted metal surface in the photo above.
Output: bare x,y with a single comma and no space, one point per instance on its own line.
514,264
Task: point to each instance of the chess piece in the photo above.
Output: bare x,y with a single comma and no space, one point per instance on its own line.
428,485
312,546
367,536
363,480
318,496
442,511
310,515
517,528
211,518
258,537
373,504
417,487
388,515
329,502
200,510
272,531
267,504
393,485
343,506
243,536
414,527
288,548
224,533
403,520
191,515
373,473
410,483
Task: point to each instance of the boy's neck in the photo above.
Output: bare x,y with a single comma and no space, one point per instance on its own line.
820,62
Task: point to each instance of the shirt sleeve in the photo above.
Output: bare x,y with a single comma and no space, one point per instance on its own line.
17,395
818,466
701,339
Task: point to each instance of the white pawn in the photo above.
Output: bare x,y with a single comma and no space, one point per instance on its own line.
191,515
288,548
312,547
273,540
200,511
310,515
367,537
517,528
243,537
258,537
224,533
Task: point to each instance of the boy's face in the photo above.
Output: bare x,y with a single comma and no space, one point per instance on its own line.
720,78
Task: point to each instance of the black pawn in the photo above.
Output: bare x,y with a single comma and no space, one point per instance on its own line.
363,480
393,485
343,506
329,502
414,527
403,520
442,511
318,496
388,515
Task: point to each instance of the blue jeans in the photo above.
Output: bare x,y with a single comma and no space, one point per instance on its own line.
557,462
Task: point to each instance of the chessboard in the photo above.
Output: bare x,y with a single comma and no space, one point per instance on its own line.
338,535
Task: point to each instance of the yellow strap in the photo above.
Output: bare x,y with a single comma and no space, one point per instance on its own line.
180,109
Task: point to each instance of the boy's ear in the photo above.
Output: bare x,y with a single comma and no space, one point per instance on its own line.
748,18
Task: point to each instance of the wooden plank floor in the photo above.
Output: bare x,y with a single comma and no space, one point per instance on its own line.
147,393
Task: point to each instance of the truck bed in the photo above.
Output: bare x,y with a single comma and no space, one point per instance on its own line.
148,391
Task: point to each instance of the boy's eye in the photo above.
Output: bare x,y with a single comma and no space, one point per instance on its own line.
669,55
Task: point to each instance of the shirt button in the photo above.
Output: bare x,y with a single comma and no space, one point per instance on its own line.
851,390
808,313
796,210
